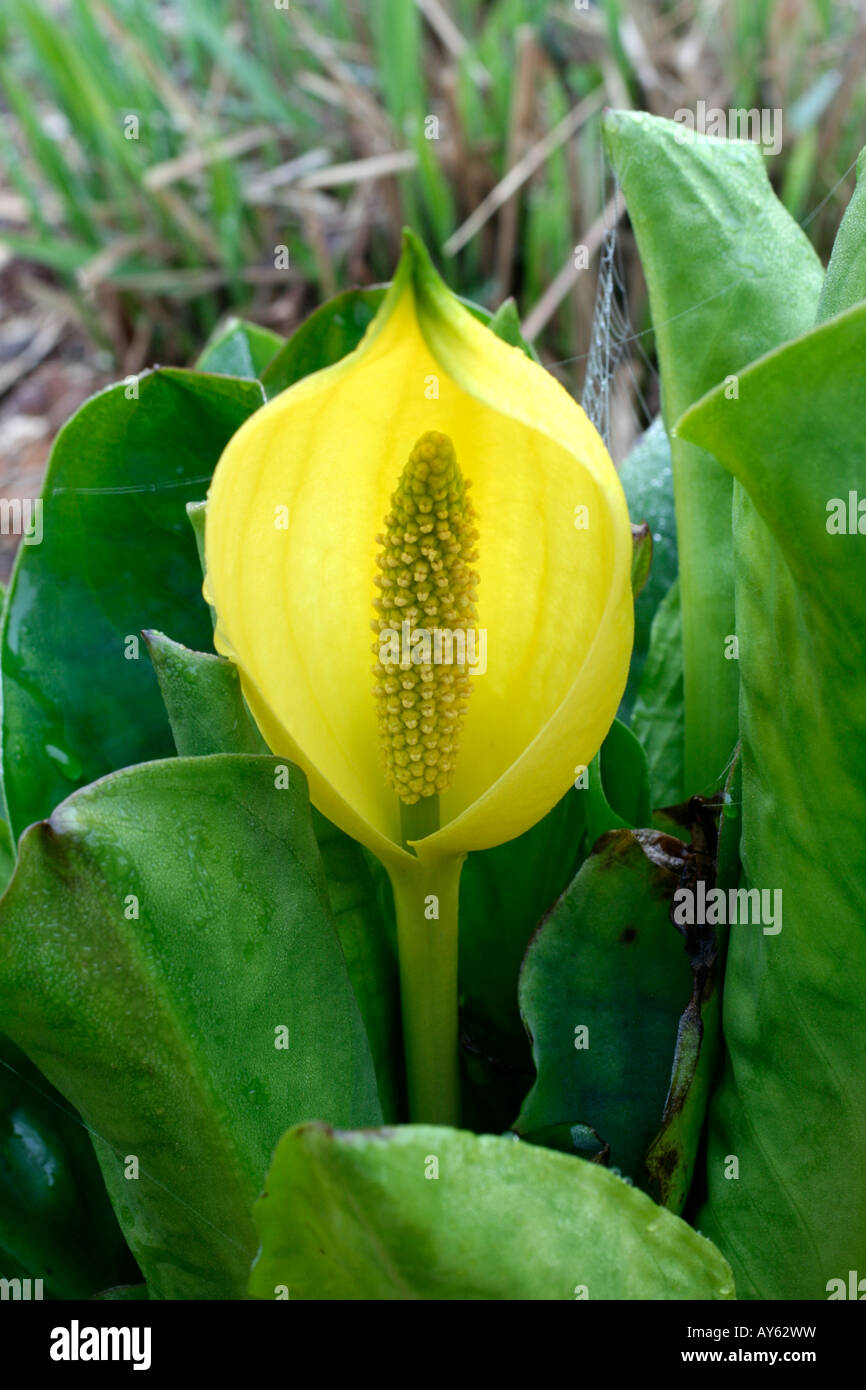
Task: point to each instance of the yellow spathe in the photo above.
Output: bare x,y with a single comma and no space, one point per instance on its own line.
294,601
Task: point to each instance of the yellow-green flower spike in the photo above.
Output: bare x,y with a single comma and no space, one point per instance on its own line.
426,615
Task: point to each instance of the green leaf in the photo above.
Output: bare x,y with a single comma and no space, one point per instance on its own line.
368,1216
335,329
505,892
642,557
239,349
602,988
792,1105
621,795
730,275
370,954
670,1160
505,323
197,516
7,854
56,1223
163,1028
203,700
658,718
117,555
845,281
208,714
647,478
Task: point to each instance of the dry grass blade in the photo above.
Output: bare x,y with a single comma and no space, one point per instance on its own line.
260,187
519,137
33,338
523,170
559,287
192,161
375,166
451,39
100,268
373,120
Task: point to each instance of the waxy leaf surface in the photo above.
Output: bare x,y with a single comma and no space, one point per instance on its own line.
240,349
160,931
431,1213
602,988
117,555
730,275
207,712
792,1106
56,1223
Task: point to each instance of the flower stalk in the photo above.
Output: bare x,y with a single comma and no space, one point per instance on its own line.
426,904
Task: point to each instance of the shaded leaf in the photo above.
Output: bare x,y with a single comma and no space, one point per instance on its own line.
56,1223
642,555
620,795
670,1161
647,479
658,718
602,989
360,1216
117,555
505,892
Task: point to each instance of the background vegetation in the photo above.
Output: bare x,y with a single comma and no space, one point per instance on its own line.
156,155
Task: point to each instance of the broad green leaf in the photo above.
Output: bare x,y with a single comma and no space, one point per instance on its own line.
730,275
647,478
240,349
117,554
333,330
56,1223
208,714
504,894
658,717
168,960
845,281
370,954
425,1213
602,988
792,1105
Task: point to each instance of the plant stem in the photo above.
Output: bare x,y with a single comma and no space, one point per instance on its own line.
425,898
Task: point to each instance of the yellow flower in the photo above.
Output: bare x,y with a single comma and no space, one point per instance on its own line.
300,518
